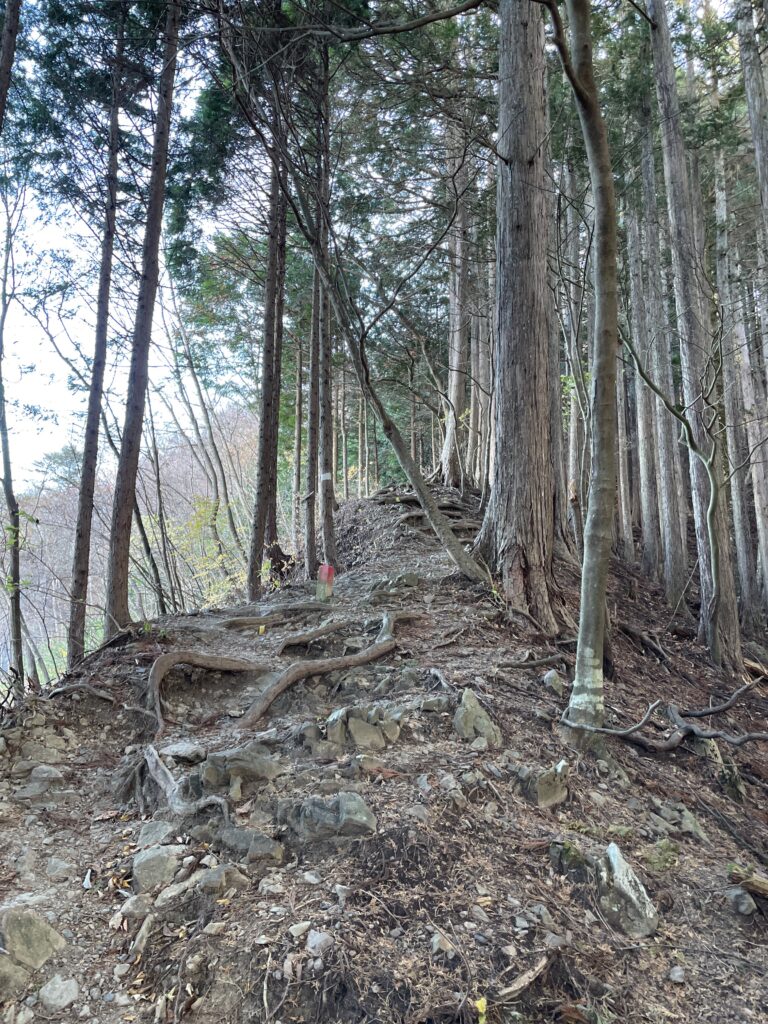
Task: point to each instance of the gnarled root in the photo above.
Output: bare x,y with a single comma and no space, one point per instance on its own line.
163,665
324,629
384,644
170,789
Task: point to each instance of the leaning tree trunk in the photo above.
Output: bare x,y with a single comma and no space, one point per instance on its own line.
586,705
82,551
719,622
117,611
517,535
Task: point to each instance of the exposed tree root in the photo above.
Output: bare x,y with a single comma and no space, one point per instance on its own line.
244,622
171,789
84,687
163,665
682,728
384,644
643,638
324,629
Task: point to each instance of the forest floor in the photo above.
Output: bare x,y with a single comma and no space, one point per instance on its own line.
376,865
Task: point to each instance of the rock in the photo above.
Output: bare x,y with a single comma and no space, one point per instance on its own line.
554,682
154,868
187,752
622,896
314,819
58,993
319,943
442,944
311,878
391,729
369,737
472,720
32,751
215,928
154,833
13,979
28,939
171,893
250,762
58,870
263,848
741,901
336,729
677,975
217,881
136,908
300,928
436,702
689,825
546,789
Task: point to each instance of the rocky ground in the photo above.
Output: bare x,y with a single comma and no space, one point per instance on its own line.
402,840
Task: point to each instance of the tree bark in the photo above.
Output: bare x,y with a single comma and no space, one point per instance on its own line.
733,341
8,52
517,536
586,705
458,306
117,610
269,396
310,541
82,544
649,507
719,624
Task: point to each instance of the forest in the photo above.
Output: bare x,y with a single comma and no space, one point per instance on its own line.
384,436
289,255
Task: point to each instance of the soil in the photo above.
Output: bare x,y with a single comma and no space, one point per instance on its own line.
455,908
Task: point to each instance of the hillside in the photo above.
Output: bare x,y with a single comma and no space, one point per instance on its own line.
402,840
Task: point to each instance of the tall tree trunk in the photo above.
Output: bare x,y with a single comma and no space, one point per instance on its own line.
117,611
325,369
719,623
82,545
458,305
733,341
517,535
626,547
649,506
757,101
271,534
586,705
298,412
8,52
269,396
310,541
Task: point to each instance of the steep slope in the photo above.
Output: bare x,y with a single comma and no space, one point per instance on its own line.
402,840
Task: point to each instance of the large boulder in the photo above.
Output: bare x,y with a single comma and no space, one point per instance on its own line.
28,938
623,899
472,720
345,815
